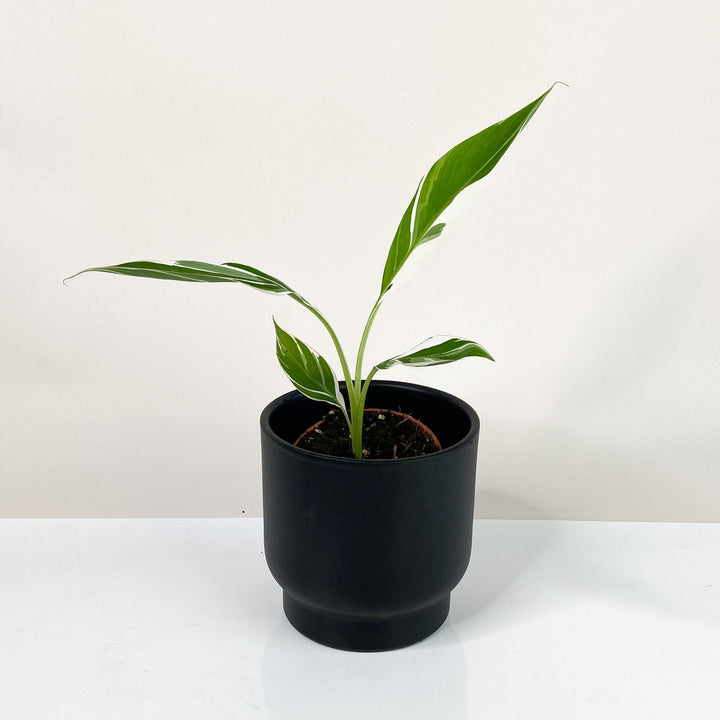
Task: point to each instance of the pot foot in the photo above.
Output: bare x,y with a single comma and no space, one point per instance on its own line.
362,634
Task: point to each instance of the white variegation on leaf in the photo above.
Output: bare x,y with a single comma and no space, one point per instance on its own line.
308,371
437,350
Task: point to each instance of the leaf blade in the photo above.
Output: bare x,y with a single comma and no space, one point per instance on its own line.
150,269
437,350
306,369
457,169
196,271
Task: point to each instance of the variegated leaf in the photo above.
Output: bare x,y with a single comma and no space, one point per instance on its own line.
437,350
193,271
308,371
459,168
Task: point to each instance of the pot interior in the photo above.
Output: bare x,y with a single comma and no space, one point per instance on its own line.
449,418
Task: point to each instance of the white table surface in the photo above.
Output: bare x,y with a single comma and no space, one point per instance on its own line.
179,619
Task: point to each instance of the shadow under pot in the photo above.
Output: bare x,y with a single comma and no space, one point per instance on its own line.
367,551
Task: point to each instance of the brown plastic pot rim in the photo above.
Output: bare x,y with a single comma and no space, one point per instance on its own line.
424,429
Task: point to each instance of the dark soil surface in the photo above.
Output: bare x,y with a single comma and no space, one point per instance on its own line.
386,435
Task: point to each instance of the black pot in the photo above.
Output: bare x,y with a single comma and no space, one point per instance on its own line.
367,551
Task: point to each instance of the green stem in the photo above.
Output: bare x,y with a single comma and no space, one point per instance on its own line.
358,414
366,385
352,393
357,390
356,421
357,398
341,355
363,342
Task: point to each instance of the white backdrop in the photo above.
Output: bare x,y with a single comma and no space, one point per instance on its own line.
290,136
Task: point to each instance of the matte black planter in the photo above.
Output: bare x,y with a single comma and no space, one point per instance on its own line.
367,551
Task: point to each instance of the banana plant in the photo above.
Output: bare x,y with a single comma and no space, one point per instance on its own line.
308,371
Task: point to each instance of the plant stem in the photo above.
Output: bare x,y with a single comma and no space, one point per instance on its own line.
366,385
356,421
357,397
341,355
358,415
357,390
353,395
363,342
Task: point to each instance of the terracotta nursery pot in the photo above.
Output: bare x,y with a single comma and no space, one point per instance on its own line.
368,551
398,418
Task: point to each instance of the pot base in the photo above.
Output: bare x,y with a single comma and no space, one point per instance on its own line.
360,634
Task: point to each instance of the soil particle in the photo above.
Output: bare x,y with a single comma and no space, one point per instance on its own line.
387,434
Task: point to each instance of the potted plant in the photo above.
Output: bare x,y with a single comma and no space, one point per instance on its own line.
368,486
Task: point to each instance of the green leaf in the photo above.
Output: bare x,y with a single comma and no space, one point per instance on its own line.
459,168
192,271
437,351
195,271
308,371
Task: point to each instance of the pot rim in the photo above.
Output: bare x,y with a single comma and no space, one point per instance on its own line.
467,409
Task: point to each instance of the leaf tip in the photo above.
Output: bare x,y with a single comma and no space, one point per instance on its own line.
70,277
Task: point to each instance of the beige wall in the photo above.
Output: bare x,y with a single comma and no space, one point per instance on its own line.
291,136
